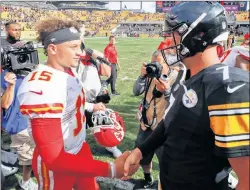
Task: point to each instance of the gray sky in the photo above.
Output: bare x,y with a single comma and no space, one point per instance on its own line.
147,6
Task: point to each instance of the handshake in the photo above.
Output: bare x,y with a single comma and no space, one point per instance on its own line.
126,165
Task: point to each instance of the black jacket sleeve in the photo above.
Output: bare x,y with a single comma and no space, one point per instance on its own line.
154,141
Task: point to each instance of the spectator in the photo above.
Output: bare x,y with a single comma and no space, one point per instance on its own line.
110,53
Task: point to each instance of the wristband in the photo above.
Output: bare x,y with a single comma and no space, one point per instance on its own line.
113,171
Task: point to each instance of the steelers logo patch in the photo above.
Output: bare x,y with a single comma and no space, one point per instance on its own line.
190,98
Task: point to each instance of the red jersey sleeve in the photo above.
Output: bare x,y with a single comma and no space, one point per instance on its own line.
48,138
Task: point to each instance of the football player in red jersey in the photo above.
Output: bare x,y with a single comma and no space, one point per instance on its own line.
206,125
246,39
238,56
53,100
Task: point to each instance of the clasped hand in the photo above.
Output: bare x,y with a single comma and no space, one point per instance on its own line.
127,164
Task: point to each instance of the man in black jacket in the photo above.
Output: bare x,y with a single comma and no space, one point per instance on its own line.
206,125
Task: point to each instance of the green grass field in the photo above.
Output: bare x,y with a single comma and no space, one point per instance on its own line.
132,53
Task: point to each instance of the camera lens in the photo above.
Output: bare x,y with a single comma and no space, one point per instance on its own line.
21,59
150,69
164,77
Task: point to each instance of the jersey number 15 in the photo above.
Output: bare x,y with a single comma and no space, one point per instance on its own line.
44,75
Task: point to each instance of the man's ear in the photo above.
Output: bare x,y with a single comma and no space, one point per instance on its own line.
52,49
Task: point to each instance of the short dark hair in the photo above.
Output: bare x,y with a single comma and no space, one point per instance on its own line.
112,36
54,24
9,23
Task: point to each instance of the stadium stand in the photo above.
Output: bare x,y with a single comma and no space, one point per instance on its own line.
97,22
140,29
242,16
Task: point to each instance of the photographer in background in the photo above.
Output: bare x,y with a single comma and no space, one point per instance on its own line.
13,122
152,108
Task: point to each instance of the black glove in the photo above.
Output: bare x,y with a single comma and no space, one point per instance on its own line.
103,95
103,60
104,98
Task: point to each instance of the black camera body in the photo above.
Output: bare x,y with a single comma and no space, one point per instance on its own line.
18,58
154,69
103,95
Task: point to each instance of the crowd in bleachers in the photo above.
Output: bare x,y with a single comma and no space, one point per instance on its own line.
230,16
97,23
242,16
237,16
130,30
139,17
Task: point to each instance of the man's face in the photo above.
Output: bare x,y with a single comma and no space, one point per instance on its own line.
14,31
68,53
171,53
112,40
158,59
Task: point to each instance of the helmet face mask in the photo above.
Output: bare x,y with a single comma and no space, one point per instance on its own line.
175,52
109,128
171,55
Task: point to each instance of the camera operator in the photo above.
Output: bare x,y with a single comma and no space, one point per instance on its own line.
92,66
13,122
13,34
151,110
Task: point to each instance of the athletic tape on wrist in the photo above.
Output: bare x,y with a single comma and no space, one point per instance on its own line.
113,171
